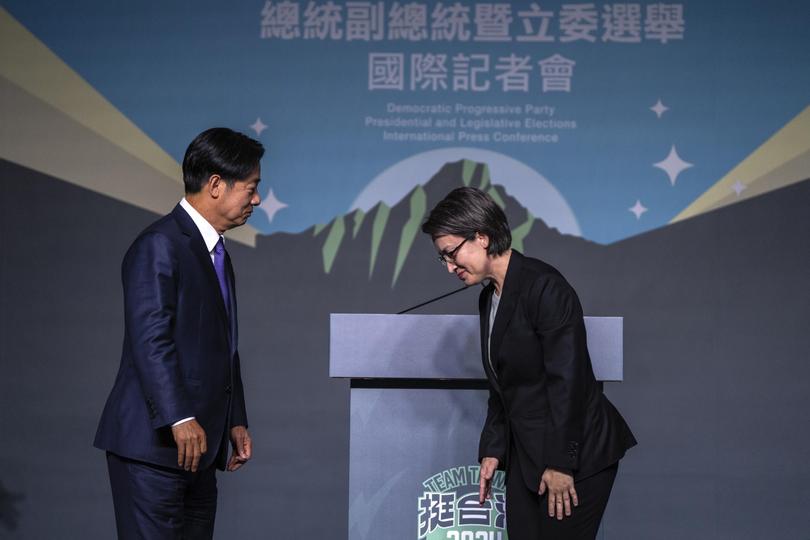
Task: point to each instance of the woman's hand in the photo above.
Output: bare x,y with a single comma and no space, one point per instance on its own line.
488,467
561,492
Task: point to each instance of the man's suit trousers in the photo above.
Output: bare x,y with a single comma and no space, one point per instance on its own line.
160,503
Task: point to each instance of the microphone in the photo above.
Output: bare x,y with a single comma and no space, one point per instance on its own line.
445,295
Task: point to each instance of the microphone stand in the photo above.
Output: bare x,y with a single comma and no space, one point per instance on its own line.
445,295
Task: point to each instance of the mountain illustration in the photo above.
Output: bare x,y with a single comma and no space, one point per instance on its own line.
390,236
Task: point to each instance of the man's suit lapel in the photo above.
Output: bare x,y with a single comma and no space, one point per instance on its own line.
231,279
506,308
202,255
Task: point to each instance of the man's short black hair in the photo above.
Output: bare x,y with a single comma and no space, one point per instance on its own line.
230,154
466,211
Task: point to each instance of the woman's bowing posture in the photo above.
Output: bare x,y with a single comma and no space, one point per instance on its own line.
548,424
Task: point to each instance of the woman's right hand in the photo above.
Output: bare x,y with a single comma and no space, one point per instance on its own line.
488,467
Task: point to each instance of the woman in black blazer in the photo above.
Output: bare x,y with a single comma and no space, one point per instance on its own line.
548,423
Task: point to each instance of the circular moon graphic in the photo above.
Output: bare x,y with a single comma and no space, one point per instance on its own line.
522,182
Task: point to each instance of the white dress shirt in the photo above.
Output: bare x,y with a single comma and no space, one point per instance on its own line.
209,233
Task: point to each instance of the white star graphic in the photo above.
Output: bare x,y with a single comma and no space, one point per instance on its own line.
738,187
673,165
270,205
659,108
258,126
637,209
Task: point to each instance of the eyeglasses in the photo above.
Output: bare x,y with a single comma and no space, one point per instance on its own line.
448,257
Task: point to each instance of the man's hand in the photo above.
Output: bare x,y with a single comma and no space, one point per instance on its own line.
488,467
242,447
561,492
191,444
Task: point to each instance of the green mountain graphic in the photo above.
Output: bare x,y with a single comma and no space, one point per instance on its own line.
343,232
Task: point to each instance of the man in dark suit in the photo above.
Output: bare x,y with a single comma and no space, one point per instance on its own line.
178,401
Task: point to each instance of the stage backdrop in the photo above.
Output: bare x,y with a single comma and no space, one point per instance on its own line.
658,154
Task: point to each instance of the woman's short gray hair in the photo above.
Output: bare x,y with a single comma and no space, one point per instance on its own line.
466,211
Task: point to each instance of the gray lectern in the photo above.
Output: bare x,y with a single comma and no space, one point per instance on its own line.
418,401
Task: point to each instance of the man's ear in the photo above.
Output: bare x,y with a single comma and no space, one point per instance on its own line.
215,185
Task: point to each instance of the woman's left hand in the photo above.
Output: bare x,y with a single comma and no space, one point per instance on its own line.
561,492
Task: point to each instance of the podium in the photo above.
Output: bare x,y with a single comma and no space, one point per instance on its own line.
418,402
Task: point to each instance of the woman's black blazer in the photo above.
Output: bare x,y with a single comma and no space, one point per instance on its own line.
543,394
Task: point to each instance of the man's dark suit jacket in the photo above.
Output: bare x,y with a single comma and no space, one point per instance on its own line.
179,356
543,394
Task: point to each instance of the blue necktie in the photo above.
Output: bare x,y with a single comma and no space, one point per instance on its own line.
219,266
